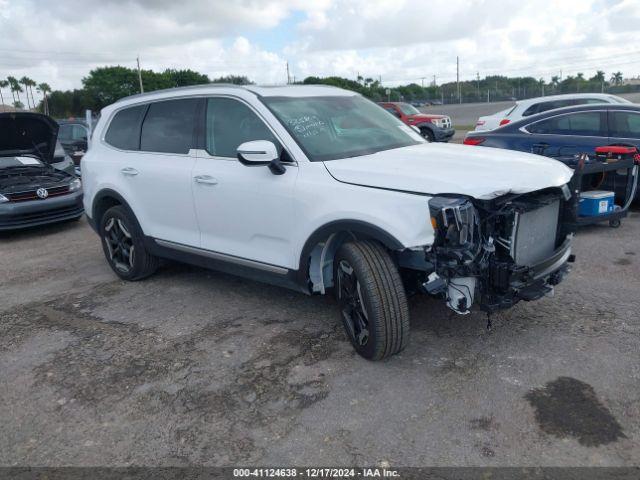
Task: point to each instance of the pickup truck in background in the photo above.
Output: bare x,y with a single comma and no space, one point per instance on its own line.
434,128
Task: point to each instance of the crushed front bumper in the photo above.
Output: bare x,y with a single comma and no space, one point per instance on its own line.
17,215
508,283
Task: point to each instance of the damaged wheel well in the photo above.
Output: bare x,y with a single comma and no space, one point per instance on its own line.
316,259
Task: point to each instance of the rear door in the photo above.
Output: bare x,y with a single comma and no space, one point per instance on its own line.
624,127
156,176
565,135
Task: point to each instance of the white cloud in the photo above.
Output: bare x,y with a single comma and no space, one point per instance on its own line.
404,40
400,40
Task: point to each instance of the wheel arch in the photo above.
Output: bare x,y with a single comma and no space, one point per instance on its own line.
425,125
315,267
105,199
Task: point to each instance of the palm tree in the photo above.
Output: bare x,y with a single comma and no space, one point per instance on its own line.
616,78
11,82
29,84
25,81
15,87
3,84
44,88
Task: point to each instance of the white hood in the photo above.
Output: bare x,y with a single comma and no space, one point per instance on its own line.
431,168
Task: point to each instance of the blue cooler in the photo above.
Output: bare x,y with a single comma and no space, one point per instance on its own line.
595,202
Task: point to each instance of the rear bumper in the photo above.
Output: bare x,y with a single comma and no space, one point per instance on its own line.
443,134
17,215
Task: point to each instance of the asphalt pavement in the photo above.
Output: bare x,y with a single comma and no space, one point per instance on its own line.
194,367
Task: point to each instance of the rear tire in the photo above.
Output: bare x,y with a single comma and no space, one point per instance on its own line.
123,245
372,299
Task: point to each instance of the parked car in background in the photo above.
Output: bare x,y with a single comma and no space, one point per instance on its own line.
435,128
318,189
74,136
564,133
63,161
533,106
32,190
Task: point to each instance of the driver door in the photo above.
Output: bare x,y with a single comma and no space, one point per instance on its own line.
242,211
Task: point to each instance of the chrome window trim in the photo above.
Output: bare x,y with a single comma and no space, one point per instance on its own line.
524,128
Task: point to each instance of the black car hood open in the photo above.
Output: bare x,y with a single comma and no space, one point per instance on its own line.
26,133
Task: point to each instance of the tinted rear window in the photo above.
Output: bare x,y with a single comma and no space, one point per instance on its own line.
124,131
625,124
579,123
169,126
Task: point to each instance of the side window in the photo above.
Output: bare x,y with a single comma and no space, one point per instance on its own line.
230,123
393,111
169,126
532,110
79,133
124,130
581,124
624,124
64,132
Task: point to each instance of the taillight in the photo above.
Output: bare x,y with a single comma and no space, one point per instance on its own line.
473,140
504,121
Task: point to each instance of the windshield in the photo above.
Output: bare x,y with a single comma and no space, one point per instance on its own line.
329,128
408,109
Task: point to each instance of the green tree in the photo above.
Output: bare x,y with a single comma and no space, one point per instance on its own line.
14,85
234,79
44,89
3,84
616,78
184,78
26,81
31,83
105,85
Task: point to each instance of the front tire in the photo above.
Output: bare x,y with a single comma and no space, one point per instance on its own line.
123,245
428,135
372,299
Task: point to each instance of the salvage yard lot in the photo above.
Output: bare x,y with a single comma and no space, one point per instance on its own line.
196,367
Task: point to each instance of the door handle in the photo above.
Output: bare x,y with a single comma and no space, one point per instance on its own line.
205,179
129,171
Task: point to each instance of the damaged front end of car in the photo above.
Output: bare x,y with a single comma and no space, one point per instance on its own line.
494,253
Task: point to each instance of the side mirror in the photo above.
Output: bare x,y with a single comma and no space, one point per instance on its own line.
259,153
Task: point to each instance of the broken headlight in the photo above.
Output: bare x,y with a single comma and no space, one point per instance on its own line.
455,222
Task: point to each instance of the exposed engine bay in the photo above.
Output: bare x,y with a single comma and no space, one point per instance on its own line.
497,252
22,173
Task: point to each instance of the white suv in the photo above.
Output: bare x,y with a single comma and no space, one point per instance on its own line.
318,189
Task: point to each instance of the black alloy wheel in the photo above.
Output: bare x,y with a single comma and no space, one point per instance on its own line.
119,245
354,312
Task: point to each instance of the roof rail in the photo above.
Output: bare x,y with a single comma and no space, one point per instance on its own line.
182,89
